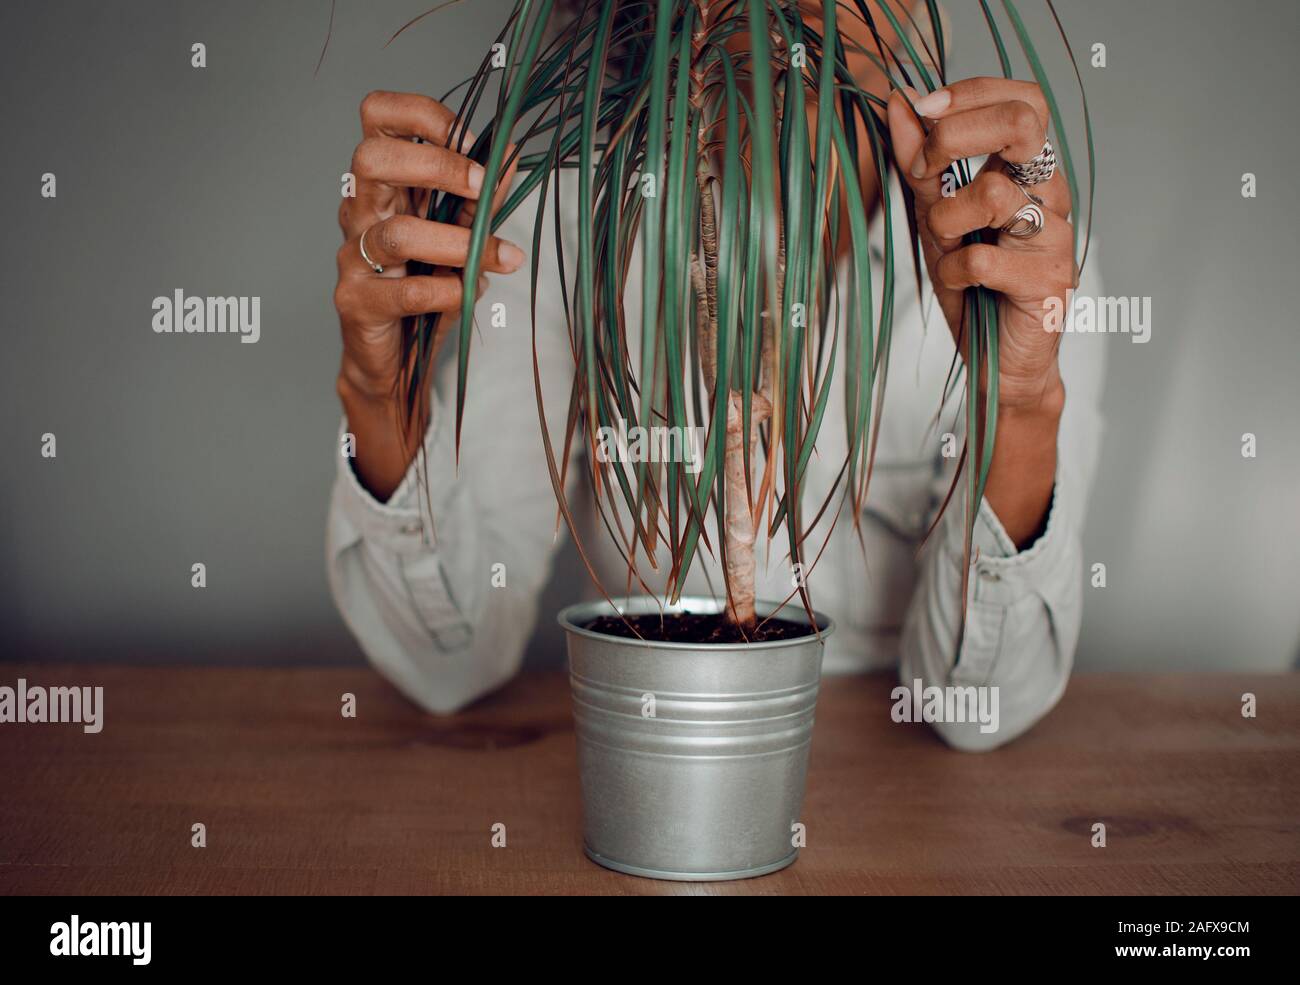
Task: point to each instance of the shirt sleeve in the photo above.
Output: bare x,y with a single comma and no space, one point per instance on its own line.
1024,608
440,584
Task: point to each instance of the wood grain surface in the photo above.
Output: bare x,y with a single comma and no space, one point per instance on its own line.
298,799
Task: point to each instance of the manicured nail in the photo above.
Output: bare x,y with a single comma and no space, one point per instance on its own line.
511,256
933,104
463,140
918,164
475,178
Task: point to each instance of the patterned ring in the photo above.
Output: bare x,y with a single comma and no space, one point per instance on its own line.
1037,169
1026,223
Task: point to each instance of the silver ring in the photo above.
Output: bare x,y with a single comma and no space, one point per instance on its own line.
1037,169
1029,196
366,256
1026,223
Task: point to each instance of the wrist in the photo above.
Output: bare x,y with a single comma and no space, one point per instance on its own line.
355,385
1040,398
385,439
366,409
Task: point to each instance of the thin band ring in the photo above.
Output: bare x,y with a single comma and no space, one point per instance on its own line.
366,256
1029,196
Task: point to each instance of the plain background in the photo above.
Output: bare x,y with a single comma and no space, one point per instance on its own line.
225,181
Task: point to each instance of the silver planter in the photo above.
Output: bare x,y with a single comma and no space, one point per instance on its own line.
711,785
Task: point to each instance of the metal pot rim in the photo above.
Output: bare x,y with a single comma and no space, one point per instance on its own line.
571,617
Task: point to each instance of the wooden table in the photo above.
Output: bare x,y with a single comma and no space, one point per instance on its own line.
298,799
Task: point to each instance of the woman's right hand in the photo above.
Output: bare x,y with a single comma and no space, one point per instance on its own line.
395,177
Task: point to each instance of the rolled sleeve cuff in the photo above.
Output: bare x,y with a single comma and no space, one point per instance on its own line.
1011,590
403,524
398,536
1003,574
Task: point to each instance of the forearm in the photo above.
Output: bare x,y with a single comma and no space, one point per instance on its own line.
1019,622
411,564
1022,473
385,445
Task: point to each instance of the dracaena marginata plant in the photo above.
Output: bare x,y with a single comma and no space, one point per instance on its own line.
724,136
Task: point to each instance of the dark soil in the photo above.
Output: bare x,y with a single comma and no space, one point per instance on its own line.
690,627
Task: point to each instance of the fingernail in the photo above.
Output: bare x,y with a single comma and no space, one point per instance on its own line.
475,178
933,104
482,284
511,256
464,139
918,164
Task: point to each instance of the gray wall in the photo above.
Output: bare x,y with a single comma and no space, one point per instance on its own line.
225,181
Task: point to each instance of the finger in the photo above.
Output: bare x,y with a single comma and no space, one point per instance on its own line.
977,93
1021,275
990,201
465,216
1055,191
409,114
1012,130
404,163
381,300
400,238
907,136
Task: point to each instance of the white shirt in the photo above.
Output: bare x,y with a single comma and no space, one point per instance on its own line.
424,607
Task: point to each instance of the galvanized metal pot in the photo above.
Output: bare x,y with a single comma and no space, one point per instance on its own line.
692,757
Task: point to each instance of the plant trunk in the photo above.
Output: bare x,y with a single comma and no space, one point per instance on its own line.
740,528
740,523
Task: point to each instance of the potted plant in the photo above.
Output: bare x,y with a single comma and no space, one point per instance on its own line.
722,137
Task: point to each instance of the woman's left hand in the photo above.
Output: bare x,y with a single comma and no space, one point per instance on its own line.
1006,120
